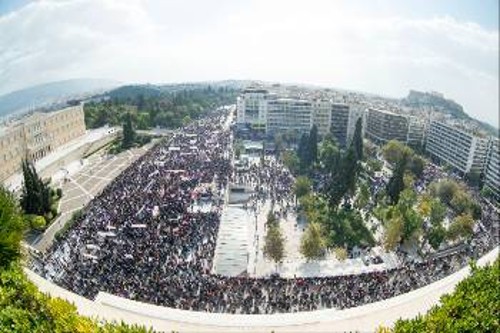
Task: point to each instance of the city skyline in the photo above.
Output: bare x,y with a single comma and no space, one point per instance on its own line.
383,47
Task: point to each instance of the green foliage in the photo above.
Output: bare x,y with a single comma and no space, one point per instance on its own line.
394,151
12,227
416,165
313,242
363,197
274,242
436,236
36,195
36,222
393,233
437,212
343,170
461,227
128,132
24,309
313,143
291,161
302,186
153,106
396,182
346,228
474,306
445,190
357,140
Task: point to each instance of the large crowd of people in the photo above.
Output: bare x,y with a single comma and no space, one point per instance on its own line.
143,239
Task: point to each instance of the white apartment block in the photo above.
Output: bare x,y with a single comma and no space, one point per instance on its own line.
356,111
492,168
252,108
287,114
266,111
463,151
383,126
322,113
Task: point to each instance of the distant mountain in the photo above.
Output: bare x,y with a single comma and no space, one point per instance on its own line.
48,94
447,106
437,101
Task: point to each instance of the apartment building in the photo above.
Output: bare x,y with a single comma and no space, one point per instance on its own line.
252,108
322,112
356,112
383,126
287,114
37,135
339,123
263,110
492,168
462,150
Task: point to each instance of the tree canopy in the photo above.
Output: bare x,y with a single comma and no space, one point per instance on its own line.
12,227
474,306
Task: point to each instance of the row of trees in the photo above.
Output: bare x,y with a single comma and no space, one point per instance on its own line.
150,107
404,213
38,198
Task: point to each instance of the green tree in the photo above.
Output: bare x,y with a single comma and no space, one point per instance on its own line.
128,132
461,227
394,151
274,243
291,161
393,233
437,213
304,153
461,202
396,182
313,144
346,228
35,197
357,140
12,227
313,242
436,236
445,190
302,186
472,307
363,196
416,165
37,222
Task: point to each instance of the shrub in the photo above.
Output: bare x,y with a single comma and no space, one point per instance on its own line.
37,222
472,307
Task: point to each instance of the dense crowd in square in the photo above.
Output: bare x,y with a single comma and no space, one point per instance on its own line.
142,238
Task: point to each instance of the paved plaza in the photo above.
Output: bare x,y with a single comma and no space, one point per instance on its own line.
240,245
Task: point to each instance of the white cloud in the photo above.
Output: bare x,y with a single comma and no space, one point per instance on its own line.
322,42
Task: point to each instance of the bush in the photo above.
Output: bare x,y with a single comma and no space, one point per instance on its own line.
59,193
24,309
472,307
37,222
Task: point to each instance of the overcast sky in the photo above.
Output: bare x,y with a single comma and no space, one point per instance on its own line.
383,47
